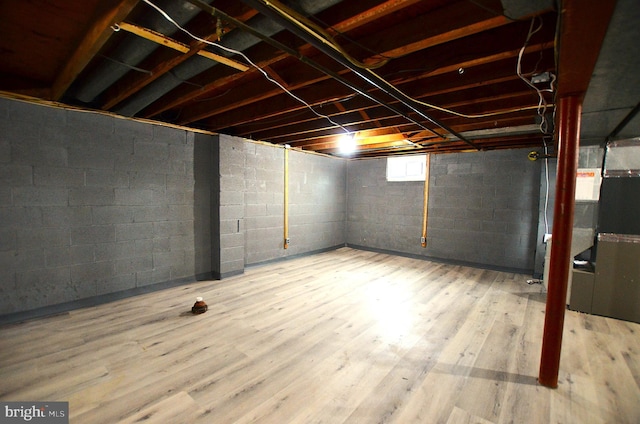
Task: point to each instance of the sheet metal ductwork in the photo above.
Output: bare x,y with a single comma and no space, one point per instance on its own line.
236,40
134,50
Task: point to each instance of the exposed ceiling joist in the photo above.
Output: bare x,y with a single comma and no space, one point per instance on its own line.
98,32
454,61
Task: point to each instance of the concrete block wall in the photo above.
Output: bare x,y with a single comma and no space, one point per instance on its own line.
229,243
264,203
250,204
381,214
483,209
317,202
92,204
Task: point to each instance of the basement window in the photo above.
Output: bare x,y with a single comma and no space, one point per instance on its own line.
406,168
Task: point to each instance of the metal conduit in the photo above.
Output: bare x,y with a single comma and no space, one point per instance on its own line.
370,78
425,200
286,197
238,24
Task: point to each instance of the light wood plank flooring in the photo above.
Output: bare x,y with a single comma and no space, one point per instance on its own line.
343,336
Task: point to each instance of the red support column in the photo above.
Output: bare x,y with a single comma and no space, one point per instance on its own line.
569,109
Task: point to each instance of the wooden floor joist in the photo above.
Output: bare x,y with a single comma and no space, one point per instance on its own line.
163,40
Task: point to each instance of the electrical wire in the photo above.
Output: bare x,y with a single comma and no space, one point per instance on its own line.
319,33
351,40
299,113
326,38
542,103
249,61
546,194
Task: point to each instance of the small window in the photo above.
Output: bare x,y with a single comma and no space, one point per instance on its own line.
406,168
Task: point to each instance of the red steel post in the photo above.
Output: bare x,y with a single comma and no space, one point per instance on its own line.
569,109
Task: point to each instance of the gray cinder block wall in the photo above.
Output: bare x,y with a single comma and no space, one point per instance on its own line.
92,204
483,209
317,201
264,203
228,244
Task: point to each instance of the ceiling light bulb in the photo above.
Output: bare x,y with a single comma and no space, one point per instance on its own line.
347,144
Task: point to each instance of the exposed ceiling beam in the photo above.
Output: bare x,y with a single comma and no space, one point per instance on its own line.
226,115
135,82
97,34
384,9
163,40
583,25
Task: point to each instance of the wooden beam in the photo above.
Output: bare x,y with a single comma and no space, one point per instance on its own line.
98,34
384,9
445,37
583,25
202,111
364,138
162,39
237,113
159,66
370,15
305,127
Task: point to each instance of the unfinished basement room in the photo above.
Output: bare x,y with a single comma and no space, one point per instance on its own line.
320,211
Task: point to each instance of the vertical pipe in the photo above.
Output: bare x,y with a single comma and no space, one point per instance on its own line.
425,206
569,109
286,197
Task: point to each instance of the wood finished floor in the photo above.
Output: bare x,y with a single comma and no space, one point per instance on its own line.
343,336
